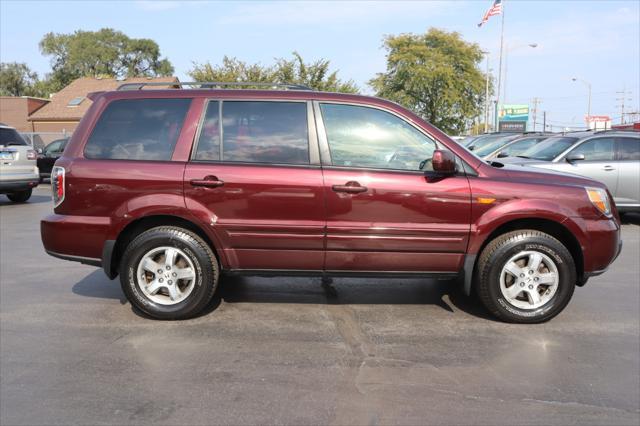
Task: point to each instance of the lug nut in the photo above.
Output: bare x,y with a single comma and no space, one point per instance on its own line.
159,271
160,280
169,267
530,287
530,271
521,275
536,279
521,284
170,282
175,274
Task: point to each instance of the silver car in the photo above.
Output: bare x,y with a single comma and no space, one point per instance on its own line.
18,169
510,148
611,157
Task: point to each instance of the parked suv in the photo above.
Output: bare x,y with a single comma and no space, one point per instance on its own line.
18,169
172,188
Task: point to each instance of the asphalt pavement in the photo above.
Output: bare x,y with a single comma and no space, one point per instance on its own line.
292,351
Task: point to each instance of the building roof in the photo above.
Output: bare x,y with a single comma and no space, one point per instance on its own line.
70,103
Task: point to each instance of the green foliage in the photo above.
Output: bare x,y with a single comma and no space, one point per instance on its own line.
17,79
316,75
436,75
101,53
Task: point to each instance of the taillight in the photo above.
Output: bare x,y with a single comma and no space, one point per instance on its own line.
31,154
57,185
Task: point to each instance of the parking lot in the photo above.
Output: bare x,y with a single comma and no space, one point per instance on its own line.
291,351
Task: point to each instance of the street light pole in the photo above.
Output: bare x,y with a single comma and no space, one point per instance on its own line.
586,83
486,95
506,64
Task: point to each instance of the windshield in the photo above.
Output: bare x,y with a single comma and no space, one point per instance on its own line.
488,149
549,149
11,137
480,143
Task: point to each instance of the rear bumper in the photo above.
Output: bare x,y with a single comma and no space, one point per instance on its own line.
8,186
75,237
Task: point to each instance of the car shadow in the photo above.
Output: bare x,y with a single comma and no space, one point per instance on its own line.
35,199
445,294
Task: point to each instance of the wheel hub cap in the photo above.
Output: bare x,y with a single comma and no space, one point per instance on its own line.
529,279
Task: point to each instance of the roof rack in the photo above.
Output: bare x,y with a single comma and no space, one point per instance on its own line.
213,85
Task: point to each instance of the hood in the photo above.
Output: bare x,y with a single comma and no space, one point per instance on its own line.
518,160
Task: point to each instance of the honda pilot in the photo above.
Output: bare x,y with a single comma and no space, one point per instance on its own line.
171,189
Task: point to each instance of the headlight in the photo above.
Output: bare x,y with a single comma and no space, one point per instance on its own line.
600,199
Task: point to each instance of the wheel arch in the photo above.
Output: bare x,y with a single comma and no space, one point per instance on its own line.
114,249
554,228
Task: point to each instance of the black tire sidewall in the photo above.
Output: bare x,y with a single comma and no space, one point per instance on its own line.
205,277
566,270
20,196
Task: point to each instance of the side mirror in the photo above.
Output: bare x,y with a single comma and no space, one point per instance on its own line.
574,157
39,150
502,154
443,162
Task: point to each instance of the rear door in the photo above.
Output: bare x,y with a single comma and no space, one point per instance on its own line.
599,161
628,193
383,213
255,172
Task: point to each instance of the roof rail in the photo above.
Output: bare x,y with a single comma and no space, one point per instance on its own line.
213,85
616,130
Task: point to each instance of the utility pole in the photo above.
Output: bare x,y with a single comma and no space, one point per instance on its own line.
535,103
544,121
623,96
495,119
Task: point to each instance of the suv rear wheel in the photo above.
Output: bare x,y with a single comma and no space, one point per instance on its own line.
525,276
20,196
169,273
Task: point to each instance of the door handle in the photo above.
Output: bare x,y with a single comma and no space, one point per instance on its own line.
608,168
208,182
351,187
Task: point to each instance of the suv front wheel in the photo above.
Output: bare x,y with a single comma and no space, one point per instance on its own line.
525,276
169,273
20,196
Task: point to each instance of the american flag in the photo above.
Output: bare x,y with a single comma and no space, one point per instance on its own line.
495,9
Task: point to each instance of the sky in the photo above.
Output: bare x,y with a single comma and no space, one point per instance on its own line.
595,41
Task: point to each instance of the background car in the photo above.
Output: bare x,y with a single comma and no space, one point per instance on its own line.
611,157
509,148
489,138
48,156
18,169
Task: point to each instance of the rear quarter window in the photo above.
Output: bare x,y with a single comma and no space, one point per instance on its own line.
138,129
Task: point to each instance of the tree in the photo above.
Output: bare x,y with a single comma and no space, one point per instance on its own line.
436,75
316,75
101,53
17,79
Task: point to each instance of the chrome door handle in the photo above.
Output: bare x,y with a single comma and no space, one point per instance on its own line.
608,168
207,182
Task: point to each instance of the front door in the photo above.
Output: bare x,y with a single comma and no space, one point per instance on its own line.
255,175
599,161
383,213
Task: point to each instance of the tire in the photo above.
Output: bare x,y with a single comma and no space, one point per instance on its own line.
153,292
20,196
506,284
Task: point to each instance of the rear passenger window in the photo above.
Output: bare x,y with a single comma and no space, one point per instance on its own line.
629,149
138,129
255,132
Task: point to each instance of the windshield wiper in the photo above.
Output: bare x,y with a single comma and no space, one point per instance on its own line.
14,144
522,156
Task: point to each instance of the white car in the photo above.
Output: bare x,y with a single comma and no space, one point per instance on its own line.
18,169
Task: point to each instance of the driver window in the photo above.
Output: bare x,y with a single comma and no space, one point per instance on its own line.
599,149
366,137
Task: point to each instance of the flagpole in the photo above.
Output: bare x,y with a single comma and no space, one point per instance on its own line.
499,70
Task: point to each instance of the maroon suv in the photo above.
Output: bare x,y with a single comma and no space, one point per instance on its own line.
171,188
